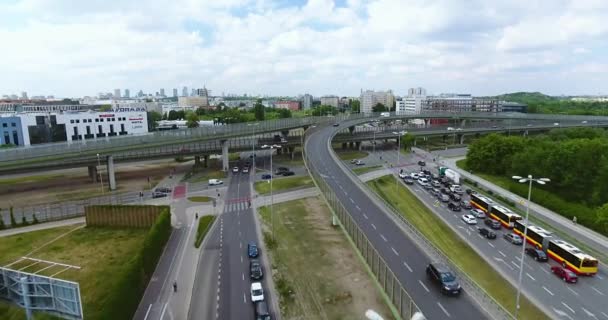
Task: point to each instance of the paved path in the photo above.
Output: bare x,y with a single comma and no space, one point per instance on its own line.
41,226
286,196
374,174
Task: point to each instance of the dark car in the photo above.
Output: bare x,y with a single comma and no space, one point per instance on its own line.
492,223
445,191
536,254
454,206
428,173
281,169
156,194
266,176
163,189
468,191
288,173
255,269
252,250
336,124
440,274
565,274
487,233
465,204
421,163
261,311
455,197
408,180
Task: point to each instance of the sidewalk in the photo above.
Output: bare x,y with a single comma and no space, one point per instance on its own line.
260,201
41,226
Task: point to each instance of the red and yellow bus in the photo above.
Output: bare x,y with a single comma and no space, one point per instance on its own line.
505,216
482,203
536,236
572,257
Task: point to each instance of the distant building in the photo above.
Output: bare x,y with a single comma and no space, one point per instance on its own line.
457,103
330,101
140,94
162,92
24,95
117,94
184,91
194,101
412,104
370,98
291,105
307,101
174,92
506,106
11,131
127,93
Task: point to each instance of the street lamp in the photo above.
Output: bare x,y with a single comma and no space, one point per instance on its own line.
399,134
100,175
272,147
529,179
253,125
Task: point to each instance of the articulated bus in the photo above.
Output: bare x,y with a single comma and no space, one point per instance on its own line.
482,203
536,236
505,216
572,257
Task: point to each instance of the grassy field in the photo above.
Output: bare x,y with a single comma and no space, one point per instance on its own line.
360,171
263,187
200,199
456,249
350,155
203,226
205,174
315,270
30,179
102,254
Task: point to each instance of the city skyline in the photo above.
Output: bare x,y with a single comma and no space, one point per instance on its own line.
282,48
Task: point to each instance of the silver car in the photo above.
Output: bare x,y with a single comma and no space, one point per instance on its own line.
478,213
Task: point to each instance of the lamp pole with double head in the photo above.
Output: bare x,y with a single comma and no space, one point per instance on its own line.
253,125
399,134
272,147
100,175
528,180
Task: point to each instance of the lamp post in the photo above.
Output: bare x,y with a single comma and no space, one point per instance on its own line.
100,175
272,147
253,125
399,134
528,179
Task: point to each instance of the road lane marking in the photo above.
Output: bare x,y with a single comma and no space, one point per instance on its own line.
480,236
340,187
162,314
596,290
504,255
515,264
568,307
551,293
148,312
529,276
383,238
589,314
244,298
241,259
491,245
356,206
442,308
352,201
547,272
576,293
422,284
407,266
365,216
599,277
605,315
395,251
241,245
374,226
243,276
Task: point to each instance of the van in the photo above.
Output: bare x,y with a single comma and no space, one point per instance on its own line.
215,182
385,114
261,311
450,129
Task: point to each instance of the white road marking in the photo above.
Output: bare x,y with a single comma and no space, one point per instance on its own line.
383,238
442,308
148,312
529,276
599,277
551,293
244,298
241,259
422,284
340,186
480,236
589,314
491,245
571,290
162,314
243,276
241,245
365,216
561,313
543,269
374,226
568,307
515,264
356,206
352,201
605,315
407,266
395,251
504,255
344,192
596,290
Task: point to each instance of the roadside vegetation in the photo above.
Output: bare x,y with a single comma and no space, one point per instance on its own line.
576,161
459,252
314,268
204,223
200,199
363,170
350,155
540,103
279,184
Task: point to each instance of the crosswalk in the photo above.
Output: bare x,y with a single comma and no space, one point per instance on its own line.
234,207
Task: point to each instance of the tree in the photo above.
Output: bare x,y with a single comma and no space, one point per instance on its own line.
407,141
221,106
192,120
153,118
258,110
2,225
13,221
602,217
23,221
324,110
379,107
355,106
284,113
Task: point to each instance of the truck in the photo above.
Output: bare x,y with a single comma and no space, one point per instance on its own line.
450,174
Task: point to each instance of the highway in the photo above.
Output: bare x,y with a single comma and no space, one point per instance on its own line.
402,255
583,300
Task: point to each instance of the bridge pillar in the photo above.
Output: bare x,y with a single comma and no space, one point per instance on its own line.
351,129
197,161
463,123
525,133
206,161
285,133
93,173
344,145
461,139
225,155
427,123
111,174
415,142
358,144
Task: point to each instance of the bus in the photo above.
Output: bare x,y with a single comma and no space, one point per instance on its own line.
572,257
505,216
536,236
482,203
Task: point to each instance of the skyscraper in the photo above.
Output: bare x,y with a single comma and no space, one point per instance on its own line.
370,98
127,93
140,93
307,101
185,92
162,92
193,92
24,95
117,93
174,92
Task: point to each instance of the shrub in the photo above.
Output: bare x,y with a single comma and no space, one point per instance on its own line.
204,223
285,290
490,192
2,225
23,221
35,220
13,221
269,241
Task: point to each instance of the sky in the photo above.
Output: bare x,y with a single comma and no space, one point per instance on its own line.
288,47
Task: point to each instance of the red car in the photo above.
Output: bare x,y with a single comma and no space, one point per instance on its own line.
565,274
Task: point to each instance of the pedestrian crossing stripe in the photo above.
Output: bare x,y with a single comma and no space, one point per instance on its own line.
234,207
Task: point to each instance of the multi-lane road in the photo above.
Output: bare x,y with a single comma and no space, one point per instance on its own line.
403,256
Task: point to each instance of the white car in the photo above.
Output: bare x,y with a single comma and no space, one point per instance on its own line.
215,182
469,219
235,170
456,189
245,170
478,213
402,175
257,293
423,182
450,129
414,175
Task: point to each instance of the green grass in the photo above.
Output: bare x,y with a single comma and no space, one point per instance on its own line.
363,170
204,223
200,199
314,269
13,312
263,187
435,230
30,179
350,155
205,175
102,253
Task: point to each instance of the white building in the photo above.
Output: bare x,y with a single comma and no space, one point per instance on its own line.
307,101
166,108
370,98
330,101
412,104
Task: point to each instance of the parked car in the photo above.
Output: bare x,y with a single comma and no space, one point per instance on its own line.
235,170
281,169
402,174
489,234
492,223
353,161
513,238
536,254
443,198
288,173
359,163
261,311
255,269
566,274
442,276
469,219
421,163
266,176
156,194
480,214
456,197
454,206
257,293
408,180
466,205
252,250
215,182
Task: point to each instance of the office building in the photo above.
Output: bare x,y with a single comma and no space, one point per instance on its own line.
127,93
330,101
370,98
162,92
412,104
193,92
457,103
184,91
10,130
291,105
24,95
307,101
116,93
174,92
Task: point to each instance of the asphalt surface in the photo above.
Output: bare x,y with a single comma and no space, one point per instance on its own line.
583,300
400,252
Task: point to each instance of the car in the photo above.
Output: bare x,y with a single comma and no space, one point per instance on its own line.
456,189
469,219
402,174
428,186
266,176
252,250
426,172
513,238
421,163
261,311
423,181
443,198
245,170
359,163
435,184
336,124
492,223
257,293
584,121
459,129
566,274
435,176
494,127
556,124
454,206
450,129
489,234
456,197
466,205
163,190
235,170
469,191
255,269
441,275
408,180
435,191
288,173
215,182
445,191
414,175
353,161
478,213
536,254
159,194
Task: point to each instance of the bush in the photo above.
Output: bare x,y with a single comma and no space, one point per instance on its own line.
13,221
23,221
204,223
155,241
35,220
490,192
269,241
2,225
285,290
